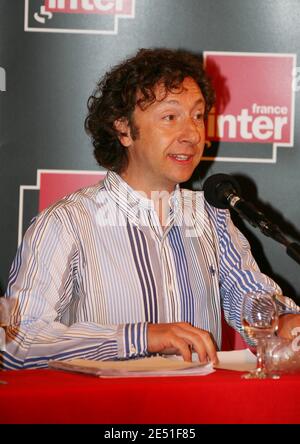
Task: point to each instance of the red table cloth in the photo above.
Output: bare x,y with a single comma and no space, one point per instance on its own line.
52,396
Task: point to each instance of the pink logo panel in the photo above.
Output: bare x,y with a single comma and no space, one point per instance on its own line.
120,7
255,99
54,186
77,16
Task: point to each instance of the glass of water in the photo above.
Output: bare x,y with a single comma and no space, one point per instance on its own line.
260,322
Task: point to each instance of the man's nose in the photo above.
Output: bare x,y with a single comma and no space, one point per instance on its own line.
190,132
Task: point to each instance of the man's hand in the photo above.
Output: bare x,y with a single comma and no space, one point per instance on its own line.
181,338
289,326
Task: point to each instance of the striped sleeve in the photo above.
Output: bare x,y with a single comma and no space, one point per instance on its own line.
41,280
239,273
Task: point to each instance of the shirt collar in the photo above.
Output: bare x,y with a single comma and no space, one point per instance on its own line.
132,202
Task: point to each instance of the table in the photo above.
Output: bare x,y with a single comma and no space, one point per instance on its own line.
53,396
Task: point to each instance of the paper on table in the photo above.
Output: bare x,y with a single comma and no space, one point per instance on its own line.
154,366
239,360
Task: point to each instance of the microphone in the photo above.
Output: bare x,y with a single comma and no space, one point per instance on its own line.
223,191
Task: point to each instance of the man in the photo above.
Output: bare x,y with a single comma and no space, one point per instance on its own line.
135,265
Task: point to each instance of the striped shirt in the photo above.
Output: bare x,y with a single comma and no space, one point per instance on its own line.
96,267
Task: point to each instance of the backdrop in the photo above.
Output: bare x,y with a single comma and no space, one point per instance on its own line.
52,52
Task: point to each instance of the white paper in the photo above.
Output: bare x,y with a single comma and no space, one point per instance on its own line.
239,360
154,366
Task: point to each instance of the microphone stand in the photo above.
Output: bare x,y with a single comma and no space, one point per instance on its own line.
222,191
271,230
292,248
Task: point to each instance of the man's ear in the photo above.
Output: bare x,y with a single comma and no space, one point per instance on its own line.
124,133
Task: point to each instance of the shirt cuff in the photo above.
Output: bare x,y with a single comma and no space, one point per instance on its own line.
132,340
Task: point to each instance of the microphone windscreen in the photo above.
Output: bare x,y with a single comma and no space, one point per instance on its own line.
217,188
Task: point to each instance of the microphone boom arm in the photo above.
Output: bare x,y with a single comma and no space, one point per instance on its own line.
223,191
258,220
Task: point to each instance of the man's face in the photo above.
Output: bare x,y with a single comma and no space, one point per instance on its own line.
170,142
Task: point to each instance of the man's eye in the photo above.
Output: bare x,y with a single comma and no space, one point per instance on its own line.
199,116
169,117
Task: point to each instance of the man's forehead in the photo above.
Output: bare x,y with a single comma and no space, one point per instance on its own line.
187,85
163,93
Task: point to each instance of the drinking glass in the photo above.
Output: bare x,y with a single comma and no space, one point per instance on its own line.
260,322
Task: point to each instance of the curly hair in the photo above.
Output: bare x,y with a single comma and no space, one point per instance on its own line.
116,96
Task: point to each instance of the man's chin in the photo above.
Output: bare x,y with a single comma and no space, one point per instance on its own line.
185,178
